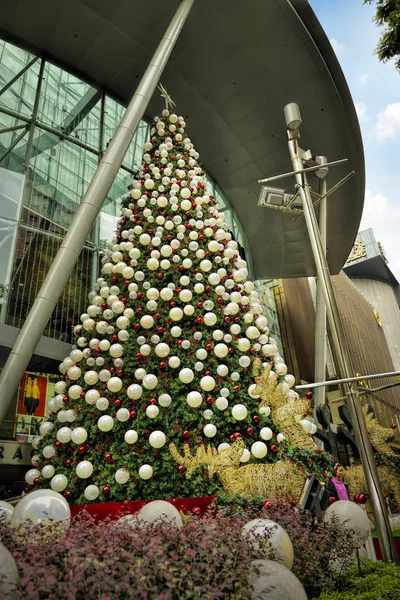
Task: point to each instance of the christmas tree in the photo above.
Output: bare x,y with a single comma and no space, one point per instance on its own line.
173,369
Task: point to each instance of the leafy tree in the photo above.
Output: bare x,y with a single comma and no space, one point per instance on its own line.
388,15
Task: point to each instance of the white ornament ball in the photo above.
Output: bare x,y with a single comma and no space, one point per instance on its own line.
31,475
114,384
105,423
48,451
152,411
221,403
186,375
134,391
84,469
157,439
43,506
64,435
194,399
122,414
91,492
239,412
6,511
259,449
207,383
79,435
146,472
210,430
159,510
352,517
275,538
150,382
266,433
164,400
48,471
131,436
122,476
58,483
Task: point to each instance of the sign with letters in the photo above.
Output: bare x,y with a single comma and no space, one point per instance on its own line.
15,453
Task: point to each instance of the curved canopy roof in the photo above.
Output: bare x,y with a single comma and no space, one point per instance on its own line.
234,68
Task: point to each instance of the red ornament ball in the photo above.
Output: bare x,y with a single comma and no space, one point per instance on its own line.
309,395
181,469
274,448
81,449
106,489
68,494
132,413
185,434
68,462
117,402
249,431
209,400
163,365
256,419
108,457
393,426
58,444
36,481
153,401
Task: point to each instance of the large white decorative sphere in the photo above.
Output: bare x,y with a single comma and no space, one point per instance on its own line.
222,370
275,538
194,399
251,391
134,391
146,471
42,506
221,350
306,425
60,387
31,475
59,483
269,349
157,439
147,321
164,400
280,369
46,427
122,476
105,423
352,517
131,436
92,396
150,382
6,511
64,435
175,314
91,492
79,435
265,411
259,449
116,350
266,433
48,471
271,580
102,404
74,392
84,469
166,294
280,437
210,319
152,411
210,430
239,412
221,403
186,375
114,384
162,350
246,455
48,451
207,383
290,380
159,510
122,414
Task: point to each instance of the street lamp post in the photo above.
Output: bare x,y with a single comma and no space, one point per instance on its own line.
389,553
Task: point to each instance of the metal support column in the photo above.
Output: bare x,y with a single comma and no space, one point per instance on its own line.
90,207
34,117
342,357
320,312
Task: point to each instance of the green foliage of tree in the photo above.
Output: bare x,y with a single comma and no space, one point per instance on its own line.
388,15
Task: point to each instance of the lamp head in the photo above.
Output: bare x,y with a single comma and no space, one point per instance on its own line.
292,116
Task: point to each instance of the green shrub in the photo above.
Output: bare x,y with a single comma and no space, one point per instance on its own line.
378,581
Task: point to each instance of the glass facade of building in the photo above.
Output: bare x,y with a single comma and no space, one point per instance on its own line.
54,128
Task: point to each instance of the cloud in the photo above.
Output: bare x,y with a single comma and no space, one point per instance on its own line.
383,216
364,78
388,122
338,47
361,109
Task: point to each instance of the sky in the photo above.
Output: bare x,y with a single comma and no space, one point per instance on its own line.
375,88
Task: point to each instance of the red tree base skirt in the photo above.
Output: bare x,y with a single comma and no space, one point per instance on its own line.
115,510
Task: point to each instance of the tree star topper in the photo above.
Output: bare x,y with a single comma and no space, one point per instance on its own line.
164,94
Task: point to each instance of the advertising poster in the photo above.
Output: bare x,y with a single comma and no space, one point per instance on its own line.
35,391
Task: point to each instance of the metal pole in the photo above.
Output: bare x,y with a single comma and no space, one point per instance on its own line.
34,117
320,314
306,386
18,75
90,207
12,146
389,552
